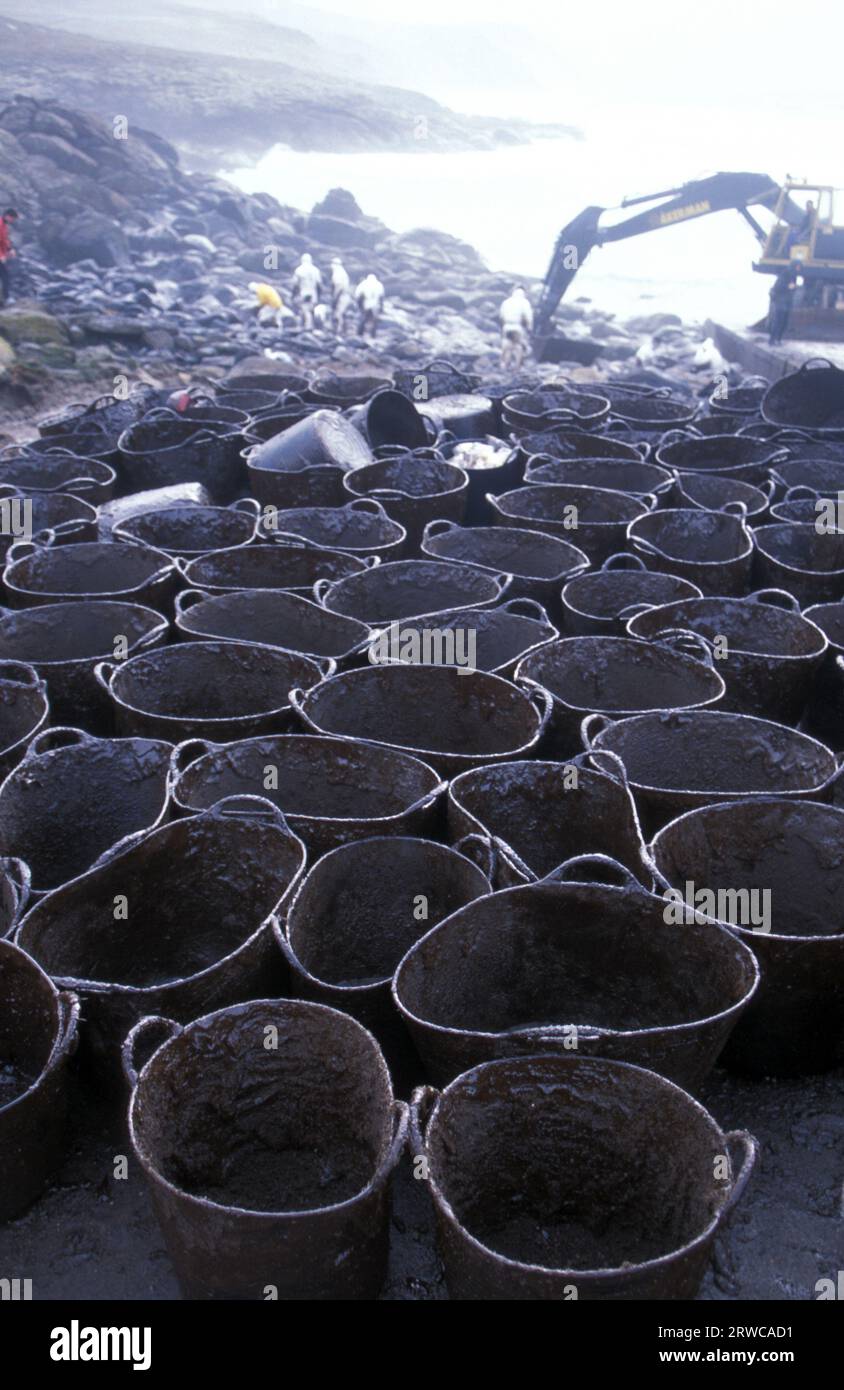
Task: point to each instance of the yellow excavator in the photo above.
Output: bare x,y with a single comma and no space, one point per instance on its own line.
802,231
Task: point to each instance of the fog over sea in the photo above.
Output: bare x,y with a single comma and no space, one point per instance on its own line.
511,203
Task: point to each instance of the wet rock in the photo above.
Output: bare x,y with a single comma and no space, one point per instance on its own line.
89,235
31,325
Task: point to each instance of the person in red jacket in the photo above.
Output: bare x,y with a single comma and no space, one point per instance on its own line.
9,218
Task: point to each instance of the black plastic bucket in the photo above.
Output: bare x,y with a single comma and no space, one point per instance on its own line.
599,604
594,519
331,790
164,449
196,895
724,455
686,759
500,637
412,492
617,475
712,550
190,531
284,564
798,558
573,1177
539,564
411,589
217,690
64,642
286,1195
60,471
825,712
579,444
450,718
358,911
716,494
74,796
550,407
38,575
771,656
360,527
24,710
341,391
274,618
619,676
812,398
583,965
795,1024
38,1028
539,814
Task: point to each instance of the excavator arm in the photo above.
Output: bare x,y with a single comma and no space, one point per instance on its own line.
696,199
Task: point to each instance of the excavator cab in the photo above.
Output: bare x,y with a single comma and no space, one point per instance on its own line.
817,243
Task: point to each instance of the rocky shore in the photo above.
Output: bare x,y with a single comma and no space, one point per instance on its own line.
129,265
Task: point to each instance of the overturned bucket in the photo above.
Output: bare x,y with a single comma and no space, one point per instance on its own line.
268,1134
574,1177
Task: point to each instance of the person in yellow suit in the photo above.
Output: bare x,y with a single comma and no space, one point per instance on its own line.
267,297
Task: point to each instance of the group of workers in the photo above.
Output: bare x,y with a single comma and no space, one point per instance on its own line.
339,303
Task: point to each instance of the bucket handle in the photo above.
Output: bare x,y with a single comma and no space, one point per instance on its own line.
768,487
371,562
678,638
321,589
541,699
188,598
645,546
735,508
563,872
438,527
750,1146
777,598
480,850
62,736
422,1103
246,504
527,608
812,363
678,436
296,696
21,550
103,672
67,1038
19,673
801,492
365,504
17,871
179,762
634,609
255,807
623,560
502,582
326,666
616,770
591,727
148,1024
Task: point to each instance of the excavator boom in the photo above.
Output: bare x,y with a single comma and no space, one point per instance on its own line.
696,199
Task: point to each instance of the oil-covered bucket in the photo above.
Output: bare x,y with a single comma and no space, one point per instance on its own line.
574,1177
268,1134
38,1035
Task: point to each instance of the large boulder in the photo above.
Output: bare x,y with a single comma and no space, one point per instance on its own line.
59,151
87,236
25,323
336,231
339,202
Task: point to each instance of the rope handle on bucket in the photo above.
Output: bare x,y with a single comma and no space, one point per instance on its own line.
680,639
750,1146
628,561
679,436
245,804
128,1052
365,504
502,582
801,492
563,872
776,598
18,874
422,1102
246,504
481,850
592,727
103,672
735,508
321,589
67,1037
188,598
812,363
180,762
19,673
528,608
541,699
21,550
62,736
438,527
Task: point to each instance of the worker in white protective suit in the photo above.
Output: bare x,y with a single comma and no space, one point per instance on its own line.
307,283
341,296
369,296
516,317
